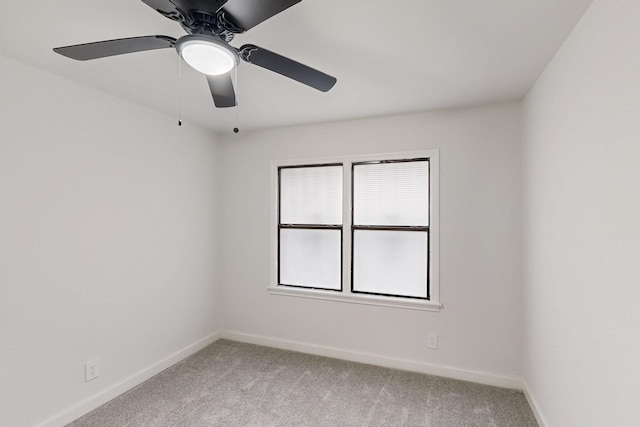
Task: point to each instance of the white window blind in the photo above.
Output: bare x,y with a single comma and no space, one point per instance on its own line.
311,195
391,193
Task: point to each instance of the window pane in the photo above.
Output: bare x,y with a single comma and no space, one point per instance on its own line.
390,262
311,195
391,193
310,258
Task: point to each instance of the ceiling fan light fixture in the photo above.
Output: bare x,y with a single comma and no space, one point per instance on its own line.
206,54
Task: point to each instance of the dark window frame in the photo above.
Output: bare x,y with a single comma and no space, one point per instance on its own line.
282,226
381,227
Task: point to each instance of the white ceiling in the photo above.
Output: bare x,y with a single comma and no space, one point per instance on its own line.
389,57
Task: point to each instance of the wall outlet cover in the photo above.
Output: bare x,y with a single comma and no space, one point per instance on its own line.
91,370
432,340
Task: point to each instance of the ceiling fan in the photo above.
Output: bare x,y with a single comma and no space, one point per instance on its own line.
211,25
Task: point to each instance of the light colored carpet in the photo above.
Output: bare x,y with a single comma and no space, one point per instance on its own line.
235,384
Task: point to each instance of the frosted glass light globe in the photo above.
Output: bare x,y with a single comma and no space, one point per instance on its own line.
207,54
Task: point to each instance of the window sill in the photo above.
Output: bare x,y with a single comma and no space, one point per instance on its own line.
394,302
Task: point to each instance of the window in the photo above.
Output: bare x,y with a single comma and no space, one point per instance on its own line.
390,228
310,227
358,229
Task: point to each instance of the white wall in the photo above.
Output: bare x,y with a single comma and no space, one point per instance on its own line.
107,240
582,228
479,328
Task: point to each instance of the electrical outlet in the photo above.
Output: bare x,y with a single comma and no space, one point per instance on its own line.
432,340
91,370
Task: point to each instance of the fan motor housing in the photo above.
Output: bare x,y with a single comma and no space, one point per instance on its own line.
198,22
204,17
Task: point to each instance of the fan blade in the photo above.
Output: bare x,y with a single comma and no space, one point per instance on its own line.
222,90
83,52
165,7
287,67
208,6
178,9
246,14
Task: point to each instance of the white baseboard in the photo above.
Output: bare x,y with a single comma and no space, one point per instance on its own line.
114,391
372,359
535,408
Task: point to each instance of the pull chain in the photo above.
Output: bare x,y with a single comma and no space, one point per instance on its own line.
180,89
235,129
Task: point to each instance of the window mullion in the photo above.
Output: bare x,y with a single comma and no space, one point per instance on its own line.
313,226
391,227
347,201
